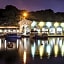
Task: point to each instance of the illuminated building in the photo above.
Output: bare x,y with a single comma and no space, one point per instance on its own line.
25,26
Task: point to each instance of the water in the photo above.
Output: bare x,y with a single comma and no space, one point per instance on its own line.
30,51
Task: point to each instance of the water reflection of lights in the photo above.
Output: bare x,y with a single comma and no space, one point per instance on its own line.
0,43
25,45
41,51
24,57
20,49
33,49
39,42
59,42
56,50
62,50
48,49
5,44
17,43
44,42
52,42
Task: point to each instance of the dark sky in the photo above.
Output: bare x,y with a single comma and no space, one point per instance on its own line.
33,5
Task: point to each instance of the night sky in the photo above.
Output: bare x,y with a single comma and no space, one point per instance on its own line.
33,5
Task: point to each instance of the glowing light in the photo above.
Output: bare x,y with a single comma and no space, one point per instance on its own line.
48,24
14,31
33,49
5,30
44,29
51,42
59,29
25,44
1,30
41,51
62,24
41,24
62,50
48,50
34,23
17,30
38,42
5,44
9,30
56,24
56,50
38,30
17,43
25,14
0,43
59,42
52,30
24,57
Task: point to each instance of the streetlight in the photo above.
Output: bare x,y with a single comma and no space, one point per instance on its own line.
25,14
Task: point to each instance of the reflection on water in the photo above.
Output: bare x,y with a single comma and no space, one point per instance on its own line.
24,57
33,49
30,48
56,49
41,51
43,48
62,50
48,49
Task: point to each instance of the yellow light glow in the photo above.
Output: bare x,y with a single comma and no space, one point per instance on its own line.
56,24
24,57
41,51
62,24
25,14
56,50
41,24
0,43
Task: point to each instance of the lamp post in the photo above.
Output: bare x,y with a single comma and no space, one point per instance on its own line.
25,14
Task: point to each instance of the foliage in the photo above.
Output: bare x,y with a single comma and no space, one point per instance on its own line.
11,15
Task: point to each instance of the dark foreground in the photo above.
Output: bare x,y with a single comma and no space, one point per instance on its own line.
12,57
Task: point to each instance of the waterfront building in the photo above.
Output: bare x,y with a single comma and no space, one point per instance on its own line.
25,26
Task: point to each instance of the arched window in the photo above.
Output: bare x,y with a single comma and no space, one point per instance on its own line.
52,30
44,29
34,23
59,30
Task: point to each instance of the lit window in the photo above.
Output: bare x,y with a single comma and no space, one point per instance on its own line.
14,30
34,23
62,24
9,30
48,24
56,24
41,24
5,30
59,30
1,30
52,30
45,29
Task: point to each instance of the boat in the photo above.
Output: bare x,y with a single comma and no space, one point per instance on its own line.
12,37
